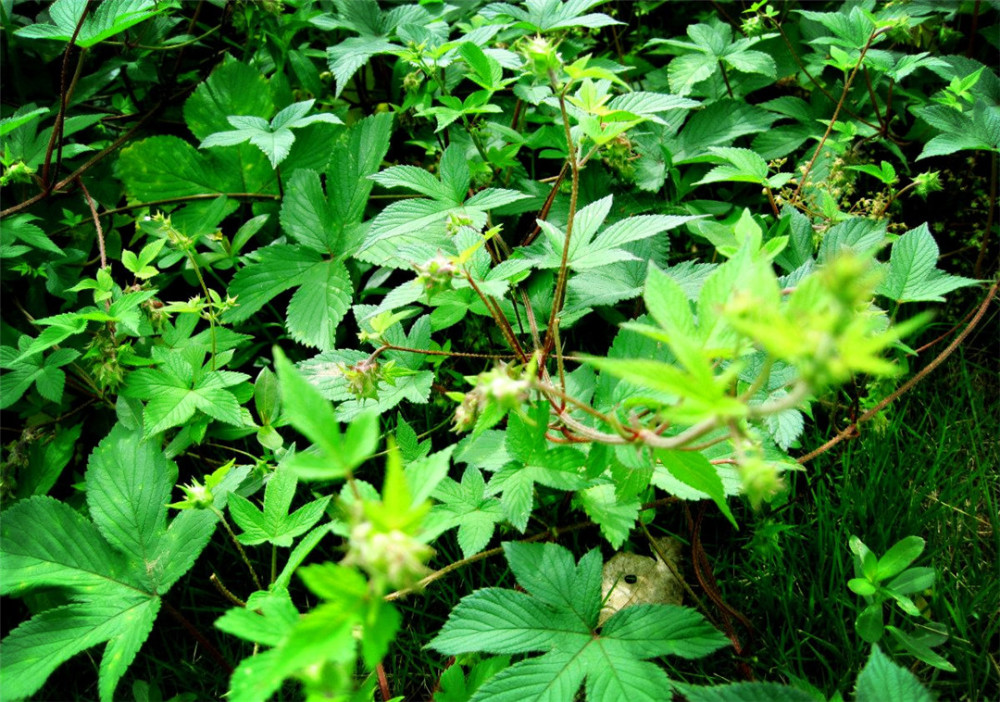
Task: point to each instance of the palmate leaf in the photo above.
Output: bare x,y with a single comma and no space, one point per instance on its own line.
109,18
326,225
587,248
115,568
275,139
274,523
549,15
466,506
557,615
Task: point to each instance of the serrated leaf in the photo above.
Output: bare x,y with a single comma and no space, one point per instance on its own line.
166,167
116,594
559,617
613,515
320,303
913,274
233,88
881,680
110,18
276,269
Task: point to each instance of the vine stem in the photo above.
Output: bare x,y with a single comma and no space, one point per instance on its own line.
836,112
97,223
64,95
61,185
239,547
560,292
909,384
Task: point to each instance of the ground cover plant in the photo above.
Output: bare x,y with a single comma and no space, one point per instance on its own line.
344,342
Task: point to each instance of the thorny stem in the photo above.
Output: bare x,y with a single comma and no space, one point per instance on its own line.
225,591
560,292
819,86
883,123
833,120
97,223
57,128
501,320
239,546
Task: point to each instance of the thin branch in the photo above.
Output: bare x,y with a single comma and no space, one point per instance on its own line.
851,430
833,120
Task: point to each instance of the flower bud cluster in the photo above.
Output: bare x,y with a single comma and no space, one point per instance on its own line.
503,387
394,555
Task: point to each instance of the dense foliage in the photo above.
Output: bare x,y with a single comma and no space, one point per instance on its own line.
314,309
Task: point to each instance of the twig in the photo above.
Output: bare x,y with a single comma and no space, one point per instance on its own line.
851,430
97,223
57,128
836,112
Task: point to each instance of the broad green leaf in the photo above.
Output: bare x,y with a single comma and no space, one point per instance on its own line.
742,165
913,274
109,18
128,482
557,616
615,516
115,593
318,306
233,88
693,469
274,524
898,557
276,269
881,680
346,57
912,580
166,167
305,408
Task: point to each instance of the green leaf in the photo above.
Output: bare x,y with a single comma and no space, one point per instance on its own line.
276,269
318,306
744,692
346,57
557,616
233,88
166,167
274,524
179,388
311,414
742,165
109,18
615,516
115,568
913,274
899,556
912,580
266,396
869,623
881,680
919,648
275,139
466,506
694,470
